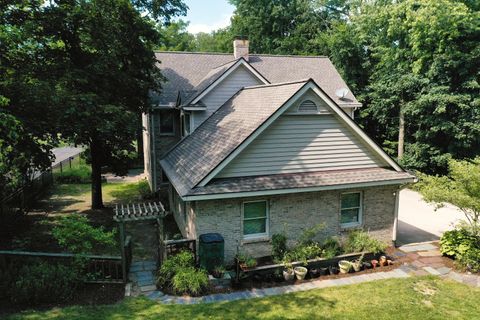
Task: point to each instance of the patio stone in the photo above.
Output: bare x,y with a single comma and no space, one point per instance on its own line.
144,274
430,253
418,247
444,270
148,288
420,273
431,271
146,282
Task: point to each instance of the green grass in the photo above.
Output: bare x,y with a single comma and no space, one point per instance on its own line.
411,298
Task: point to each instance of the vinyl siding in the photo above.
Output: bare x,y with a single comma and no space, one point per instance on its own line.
303,143
238,79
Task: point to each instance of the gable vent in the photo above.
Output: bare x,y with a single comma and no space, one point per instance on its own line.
308,106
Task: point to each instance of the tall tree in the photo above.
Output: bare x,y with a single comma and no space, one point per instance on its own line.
106,49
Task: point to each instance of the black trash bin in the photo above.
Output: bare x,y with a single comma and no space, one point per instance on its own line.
211,249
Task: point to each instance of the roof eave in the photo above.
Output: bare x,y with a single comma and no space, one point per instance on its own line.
214,196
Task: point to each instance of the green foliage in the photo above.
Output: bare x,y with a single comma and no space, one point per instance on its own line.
462,244
279,245
358,241
305,252
77,174
461,188
188,280
43,282
331,248
76,235
172,265
309,234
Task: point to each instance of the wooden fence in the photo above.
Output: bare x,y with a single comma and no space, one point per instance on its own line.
99,268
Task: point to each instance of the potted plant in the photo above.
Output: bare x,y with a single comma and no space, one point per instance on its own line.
367,265
383,261
333,270
323,271
314,272
374,263
218,271
357,264
288,272
248,263
345,266
300,272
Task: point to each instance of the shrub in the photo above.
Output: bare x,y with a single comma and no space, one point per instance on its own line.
172,265
358,241
76,235
308,235
331,248
43,282
188,280
457,242
470,259
279,245
305,252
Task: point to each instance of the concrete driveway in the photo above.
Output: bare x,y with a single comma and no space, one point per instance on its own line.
419,222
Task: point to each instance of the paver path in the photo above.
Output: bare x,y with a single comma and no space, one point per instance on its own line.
423,259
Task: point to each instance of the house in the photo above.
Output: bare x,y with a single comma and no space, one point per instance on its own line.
251,145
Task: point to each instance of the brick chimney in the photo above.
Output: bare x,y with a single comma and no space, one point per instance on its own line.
240,47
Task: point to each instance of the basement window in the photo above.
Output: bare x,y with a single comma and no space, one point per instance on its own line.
255,219
351,209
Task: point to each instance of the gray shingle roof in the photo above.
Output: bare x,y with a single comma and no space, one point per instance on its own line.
301,180
199,153
190,72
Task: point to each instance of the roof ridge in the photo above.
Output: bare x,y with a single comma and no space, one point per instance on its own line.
251,54
276,84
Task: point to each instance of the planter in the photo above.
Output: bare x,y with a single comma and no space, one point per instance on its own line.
314,273
246,267
300,272
324,271
333,270
357,266
367,265
345,266
383,261
288,275
374,263
217,274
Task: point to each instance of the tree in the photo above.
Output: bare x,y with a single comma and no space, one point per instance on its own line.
461,188
108,64
175,37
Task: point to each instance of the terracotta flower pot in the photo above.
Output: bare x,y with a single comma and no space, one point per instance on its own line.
374,263
383,261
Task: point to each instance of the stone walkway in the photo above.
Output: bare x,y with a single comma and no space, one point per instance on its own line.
142,277
423,259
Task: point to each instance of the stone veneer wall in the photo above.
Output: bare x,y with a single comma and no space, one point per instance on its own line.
298,211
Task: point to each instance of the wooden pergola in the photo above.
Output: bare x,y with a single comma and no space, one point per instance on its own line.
133,212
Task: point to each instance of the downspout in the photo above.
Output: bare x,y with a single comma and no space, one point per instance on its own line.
395,220
153,152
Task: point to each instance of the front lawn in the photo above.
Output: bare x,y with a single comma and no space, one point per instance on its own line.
408,298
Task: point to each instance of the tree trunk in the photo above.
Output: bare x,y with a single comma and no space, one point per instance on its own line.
95,151
401,134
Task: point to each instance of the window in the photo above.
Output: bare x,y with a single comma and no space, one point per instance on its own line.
307,106
166,122
186,124
351,209
255,218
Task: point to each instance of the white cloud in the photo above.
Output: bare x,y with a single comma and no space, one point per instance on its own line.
201,27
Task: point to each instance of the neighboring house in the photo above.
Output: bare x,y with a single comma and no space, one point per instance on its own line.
252,145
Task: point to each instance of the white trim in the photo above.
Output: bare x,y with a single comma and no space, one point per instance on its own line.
360,211
296,190
153,153
311,85
395,215
267,221
194,108
254,135
240,62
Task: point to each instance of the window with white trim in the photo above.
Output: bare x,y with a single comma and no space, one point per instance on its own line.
351,209
166,122
255,218
307,106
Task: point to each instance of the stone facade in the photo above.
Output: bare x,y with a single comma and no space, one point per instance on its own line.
290,212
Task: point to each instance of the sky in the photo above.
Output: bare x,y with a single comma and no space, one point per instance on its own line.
208,15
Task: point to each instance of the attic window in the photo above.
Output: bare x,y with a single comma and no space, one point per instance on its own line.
307,106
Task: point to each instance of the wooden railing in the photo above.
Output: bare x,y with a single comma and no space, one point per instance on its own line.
99,268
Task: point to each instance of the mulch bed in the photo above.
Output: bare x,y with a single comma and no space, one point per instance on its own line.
87,295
